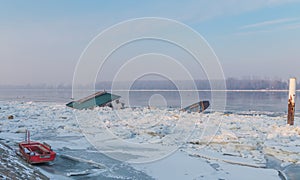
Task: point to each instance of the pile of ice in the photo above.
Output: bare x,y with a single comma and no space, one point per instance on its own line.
246,138
251,137
45,121
232,138
145,125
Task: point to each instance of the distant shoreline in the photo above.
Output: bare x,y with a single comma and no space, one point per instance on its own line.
150,90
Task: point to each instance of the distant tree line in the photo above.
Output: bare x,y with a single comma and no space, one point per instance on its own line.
256,84
231,84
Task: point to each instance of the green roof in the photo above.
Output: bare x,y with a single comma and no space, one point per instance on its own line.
94,100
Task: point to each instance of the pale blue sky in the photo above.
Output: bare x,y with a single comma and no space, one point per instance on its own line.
41,41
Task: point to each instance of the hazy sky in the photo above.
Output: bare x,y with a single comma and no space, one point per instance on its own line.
41,41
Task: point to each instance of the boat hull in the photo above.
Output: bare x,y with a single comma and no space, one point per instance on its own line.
35,152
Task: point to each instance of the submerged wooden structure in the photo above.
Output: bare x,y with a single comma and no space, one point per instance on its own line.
197,107
101,99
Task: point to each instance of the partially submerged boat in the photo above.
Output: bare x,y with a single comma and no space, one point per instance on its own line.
100,99
197,107
36,152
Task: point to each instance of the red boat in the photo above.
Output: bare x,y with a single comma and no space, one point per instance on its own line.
35,152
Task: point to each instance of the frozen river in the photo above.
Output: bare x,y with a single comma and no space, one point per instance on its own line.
250,136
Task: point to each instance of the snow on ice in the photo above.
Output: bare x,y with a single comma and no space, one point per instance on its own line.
210,145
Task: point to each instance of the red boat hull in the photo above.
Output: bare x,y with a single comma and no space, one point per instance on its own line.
35,152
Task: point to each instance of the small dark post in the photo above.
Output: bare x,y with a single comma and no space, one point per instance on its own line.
291,102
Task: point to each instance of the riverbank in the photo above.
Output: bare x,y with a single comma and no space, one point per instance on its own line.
13,167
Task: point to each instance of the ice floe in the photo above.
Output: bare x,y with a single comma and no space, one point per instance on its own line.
224,143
